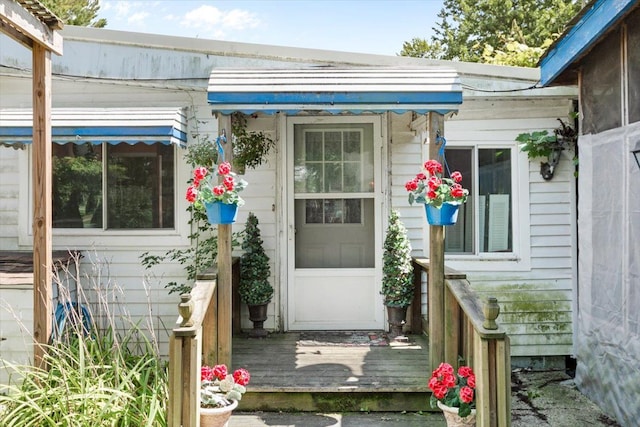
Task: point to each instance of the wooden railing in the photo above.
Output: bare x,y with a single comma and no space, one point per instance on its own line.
467,331
204,336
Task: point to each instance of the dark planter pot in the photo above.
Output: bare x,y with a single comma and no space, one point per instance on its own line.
396,317
258,314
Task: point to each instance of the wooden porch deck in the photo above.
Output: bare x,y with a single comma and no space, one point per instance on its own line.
289,374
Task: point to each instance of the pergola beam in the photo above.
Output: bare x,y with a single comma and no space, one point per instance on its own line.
30,23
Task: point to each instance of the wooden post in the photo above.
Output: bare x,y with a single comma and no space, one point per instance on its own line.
42,246
436,263
225,276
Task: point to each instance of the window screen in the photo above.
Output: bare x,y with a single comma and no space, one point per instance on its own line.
601,87
633,31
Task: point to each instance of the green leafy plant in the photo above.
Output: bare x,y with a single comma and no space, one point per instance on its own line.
201,255
254,266
542,144
250,149
397,269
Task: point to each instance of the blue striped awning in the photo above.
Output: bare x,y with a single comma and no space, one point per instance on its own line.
334,90
99,125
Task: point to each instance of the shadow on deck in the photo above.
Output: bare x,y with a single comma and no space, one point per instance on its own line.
290,373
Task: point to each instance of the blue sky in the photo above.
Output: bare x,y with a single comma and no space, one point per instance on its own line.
366,26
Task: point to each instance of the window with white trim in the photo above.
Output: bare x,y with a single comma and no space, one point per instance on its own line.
113,186
485,221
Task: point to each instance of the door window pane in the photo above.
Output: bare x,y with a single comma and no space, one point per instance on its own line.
330,159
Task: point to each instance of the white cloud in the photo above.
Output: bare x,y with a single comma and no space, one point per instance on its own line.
137,18
219,21
122,8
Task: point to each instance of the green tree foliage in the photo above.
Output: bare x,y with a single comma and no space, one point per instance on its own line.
494,30
77,12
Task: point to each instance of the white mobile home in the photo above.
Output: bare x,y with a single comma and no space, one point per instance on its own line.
130,100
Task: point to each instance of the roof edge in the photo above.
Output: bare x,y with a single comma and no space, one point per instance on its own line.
586,29
289,54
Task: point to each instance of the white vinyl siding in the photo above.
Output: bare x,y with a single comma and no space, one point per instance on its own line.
534,286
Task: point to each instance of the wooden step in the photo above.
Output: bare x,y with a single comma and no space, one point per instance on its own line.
288,373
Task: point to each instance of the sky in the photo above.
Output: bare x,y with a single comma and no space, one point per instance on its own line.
363,26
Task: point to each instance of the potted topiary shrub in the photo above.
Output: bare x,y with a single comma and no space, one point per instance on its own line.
255,290
397,273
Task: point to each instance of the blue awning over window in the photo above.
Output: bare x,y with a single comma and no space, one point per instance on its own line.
99,125
353,90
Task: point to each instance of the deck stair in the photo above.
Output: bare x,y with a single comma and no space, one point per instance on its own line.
292,373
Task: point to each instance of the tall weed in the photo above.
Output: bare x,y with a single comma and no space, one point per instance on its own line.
107,374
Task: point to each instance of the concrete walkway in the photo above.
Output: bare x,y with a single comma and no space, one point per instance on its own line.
539,399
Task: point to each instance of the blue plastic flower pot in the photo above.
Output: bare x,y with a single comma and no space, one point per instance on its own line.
447,214
221,213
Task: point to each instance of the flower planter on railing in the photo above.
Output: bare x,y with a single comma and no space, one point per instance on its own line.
446,214
221,213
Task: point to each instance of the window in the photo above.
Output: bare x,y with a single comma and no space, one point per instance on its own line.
485,221
113,186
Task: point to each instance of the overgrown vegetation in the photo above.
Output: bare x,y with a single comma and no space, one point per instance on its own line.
202,254
107,374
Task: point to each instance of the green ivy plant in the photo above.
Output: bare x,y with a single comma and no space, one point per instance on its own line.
542,144
202,254
250,149
397,267
254,266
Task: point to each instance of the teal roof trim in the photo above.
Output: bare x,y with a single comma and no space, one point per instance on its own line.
585,33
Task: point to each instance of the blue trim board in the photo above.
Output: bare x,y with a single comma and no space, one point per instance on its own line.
108,134
584,34
329,98
333,109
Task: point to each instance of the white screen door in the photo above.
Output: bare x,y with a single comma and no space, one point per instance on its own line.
333,282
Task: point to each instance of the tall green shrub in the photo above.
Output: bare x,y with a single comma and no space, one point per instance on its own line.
254,266
397,270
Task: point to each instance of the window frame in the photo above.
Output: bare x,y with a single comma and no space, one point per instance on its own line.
99,238
519,259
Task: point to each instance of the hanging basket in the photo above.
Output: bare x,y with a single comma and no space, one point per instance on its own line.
447,214
221,213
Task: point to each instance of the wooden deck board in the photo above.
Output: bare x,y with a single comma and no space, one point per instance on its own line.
278,363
